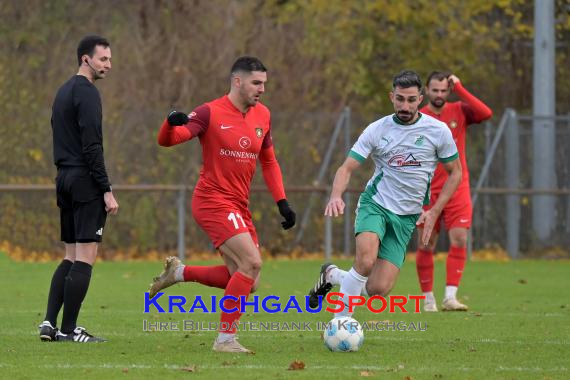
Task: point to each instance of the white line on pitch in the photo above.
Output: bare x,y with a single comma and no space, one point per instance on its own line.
276,367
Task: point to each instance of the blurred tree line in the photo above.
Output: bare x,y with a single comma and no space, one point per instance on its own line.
322,55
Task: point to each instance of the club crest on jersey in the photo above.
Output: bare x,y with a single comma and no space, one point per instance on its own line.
384,141
401,160
259,132
419,140
452,124
244,142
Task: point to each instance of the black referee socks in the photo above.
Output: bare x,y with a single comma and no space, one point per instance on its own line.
76,285
55,298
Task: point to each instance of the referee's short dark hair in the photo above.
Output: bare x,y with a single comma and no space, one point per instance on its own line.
87,46
247,64
407,79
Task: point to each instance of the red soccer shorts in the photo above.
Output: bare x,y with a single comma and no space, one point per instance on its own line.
456,213
221,219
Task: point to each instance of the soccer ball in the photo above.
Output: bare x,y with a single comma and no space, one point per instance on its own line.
343,335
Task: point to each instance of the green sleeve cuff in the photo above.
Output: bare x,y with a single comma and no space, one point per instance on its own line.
450,158
356,156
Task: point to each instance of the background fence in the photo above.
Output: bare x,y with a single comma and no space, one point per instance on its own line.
504,194
158,217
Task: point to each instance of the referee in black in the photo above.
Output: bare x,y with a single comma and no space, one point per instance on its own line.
84,194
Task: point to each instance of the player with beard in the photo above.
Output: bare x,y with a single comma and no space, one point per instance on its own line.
234,131
406,148
457,213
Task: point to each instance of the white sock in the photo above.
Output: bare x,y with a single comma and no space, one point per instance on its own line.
335,276
179,273
351,285
225,337
430,298
364,292
450,291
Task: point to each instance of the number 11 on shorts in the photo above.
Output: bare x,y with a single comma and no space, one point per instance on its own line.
233,217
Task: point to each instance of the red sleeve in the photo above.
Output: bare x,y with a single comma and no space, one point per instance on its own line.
272,173
197,125
267,140
475,110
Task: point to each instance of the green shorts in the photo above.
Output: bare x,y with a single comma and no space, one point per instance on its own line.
394,231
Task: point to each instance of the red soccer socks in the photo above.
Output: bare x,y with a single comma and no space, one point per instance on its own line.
239,285
424,266
215,276
455,265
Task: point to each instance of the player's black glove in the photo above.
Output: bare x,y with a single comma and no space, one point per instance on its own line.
287,213
177,118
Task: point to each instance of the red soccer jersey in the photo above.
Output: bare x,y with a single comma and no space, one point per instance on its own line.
457,116
231,144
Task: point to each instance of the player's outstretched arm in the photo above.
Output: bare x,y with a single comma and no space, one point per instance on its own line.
429,217
335,206
173,130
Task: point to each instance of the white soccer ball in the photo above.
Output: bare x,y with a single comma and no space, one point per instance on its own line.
343,335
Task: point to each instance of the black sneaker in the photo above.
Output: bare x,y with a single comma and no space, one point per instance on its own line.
47,332
79,335
322,287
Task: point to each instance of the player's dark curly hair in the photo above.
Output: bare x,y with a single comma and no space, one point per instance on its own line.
438,75
87,46
247,64
407,79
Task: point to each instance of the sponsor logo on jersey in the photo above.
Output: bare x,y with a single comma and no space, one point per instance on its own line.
259,132
191,115
401,160
238,154
226,126
244,142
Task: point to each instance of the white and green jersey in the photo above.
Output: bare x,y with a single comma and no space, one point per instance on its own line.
405,157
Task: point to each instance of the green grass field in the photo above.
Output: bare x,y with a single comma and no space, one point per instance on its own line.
518,328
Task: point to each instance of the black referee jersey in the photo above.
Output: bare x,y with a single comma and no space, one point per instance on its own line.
77,129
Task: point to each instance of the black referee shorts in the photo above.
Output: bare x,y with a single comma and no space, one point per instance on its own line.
81,205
